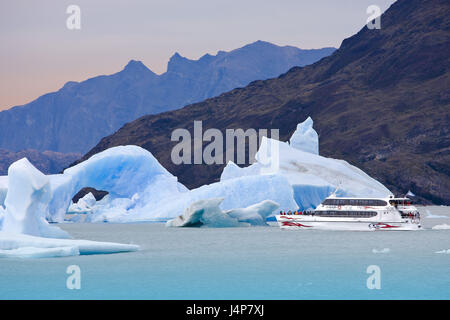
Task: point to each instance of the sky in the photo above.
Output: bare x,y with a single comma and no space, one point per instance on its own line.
39,54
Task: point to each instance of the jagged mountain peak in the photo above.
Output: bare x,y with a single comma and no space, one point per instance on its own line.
136,66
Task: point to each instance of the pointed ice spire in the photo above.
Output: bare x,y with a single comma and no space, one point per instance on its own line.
305,138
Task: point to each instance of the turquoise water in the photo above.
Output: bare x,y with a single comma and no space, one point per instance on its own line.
240,263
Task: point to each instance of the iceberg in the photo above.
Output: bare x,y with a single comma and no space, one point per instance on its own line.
124,171
27,201
207,213
311,176
25,232
26,246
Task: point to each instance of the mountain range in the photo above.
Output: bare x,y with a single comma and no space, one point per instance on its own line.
381,102
77,116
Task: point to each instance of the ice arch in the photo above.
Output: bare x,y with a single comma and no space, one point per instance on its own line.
124,171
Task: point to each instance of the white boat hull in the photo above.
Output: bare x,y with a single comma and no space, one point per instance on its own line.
301,222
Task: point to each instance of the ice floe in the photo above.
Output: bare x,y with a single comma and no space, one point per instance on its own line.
443,226
26,246
384,250
207,213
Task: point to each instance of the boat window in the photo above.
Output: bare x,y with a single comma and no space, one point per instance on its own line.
346,214
355,202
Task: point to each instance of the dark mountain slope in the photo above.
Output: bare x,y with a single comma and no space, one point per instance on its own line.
381,102
76,117
48,162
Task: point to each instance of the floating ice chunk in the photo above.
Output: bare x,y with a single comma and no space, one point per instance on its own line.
83,205
255,214
11,241
27,201
384,250
444,251
305,138
208,213
443,226
204,213
32,252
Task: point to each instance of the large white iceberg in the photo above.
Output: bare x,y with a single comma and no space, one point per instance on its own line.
25,232
126,172
27,200
208,213
311,176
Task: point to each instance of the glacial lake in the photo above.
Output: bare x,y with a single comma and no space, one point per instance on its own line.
243,263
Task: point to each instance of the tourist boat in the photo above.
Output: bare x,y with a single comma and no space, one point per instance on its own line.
356,214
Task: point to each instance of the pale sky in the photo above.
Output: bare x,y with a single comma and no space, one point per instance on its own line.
39,53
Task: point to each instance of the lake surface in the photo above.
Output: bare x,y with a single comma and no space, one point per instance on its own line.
242,263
